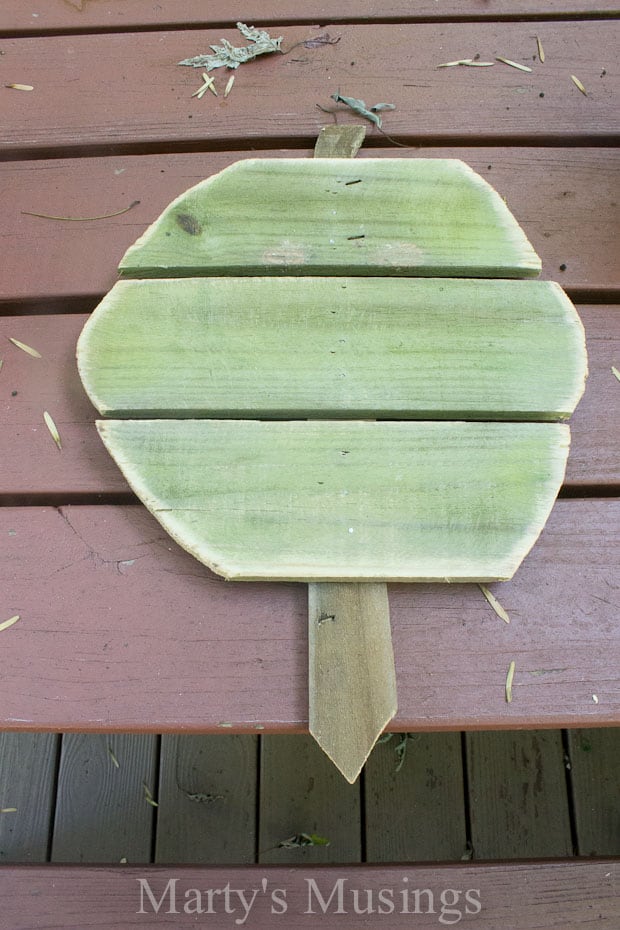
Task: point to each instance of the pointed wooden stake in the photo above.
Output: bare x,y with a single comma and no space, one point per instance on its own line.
352,683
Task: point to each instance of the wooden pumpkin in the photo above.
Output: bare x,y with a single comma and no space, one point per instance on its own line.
337,371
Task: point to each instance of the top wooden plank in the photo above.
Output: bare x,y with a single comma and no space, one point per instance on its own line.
82,15
126,92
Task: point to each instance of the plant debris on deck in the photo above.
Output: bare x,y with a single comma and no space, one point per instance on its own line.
228,55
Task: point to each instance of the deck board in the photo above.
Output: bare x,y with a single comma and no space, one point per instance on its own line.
302,792
82,15
89,90
595,777
518,795
27,782
415,807
129,649
515,897
101,811
207,799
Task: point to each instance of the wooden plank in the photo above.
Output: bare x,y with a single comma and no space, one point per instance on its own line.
27,795
118,626
31,462
414,806
91,91
351,500
207,799
595,779
414,348
81,15
379,216
544,895
302,793
518,798
567,206
102,813
352,682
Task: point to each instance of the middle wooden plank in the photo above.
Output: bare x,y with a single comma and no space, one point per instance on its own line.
334,347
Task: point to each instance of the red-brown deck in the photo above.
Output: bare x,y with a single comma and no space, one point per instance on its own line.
122,631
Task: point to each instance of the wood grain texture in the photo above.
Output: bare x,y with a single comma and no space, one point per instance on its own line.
352,500
78,15
30,460
207,799
301,792
118,626
334,347
414,807
28,783
566,202
594,757
518,797
380,216
351,677
102,814
93,93
545,895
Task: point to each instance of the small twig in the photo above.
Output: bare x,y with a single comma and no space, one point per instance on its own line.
82,219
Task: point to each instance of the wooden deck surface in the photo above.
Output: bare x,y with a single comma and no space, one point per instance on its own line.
122,631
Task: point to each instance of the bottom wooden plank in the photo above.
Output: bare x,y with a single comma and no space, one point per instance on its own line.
103,812
518,795
207,799
414,796
302,793
545,896
27,794
595,778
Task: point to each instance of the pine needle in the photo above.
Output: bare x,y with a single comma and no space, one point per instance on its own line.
231,81
28,349
615,372
541,51
20,86
52,428
578,85
513,64
82,219
495,604
1,363
8,623
8,810
148,797
115,761
453,64
509,679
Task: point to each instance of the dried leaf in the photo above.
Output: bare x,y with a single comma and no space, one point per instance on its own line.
495,604
229,56
513,64
82,219
323,39
8,623
148,797
229,86
541,51
20,86
509,679
299,840
615,372
578,85
28,349
52,428
359,107
115,761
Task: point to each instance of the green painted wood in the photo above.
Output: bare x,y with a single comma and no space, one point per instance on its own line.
207,799
28,784
102,814
346,500
302,792
415,806
595,778
518,799
334,347
336,216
